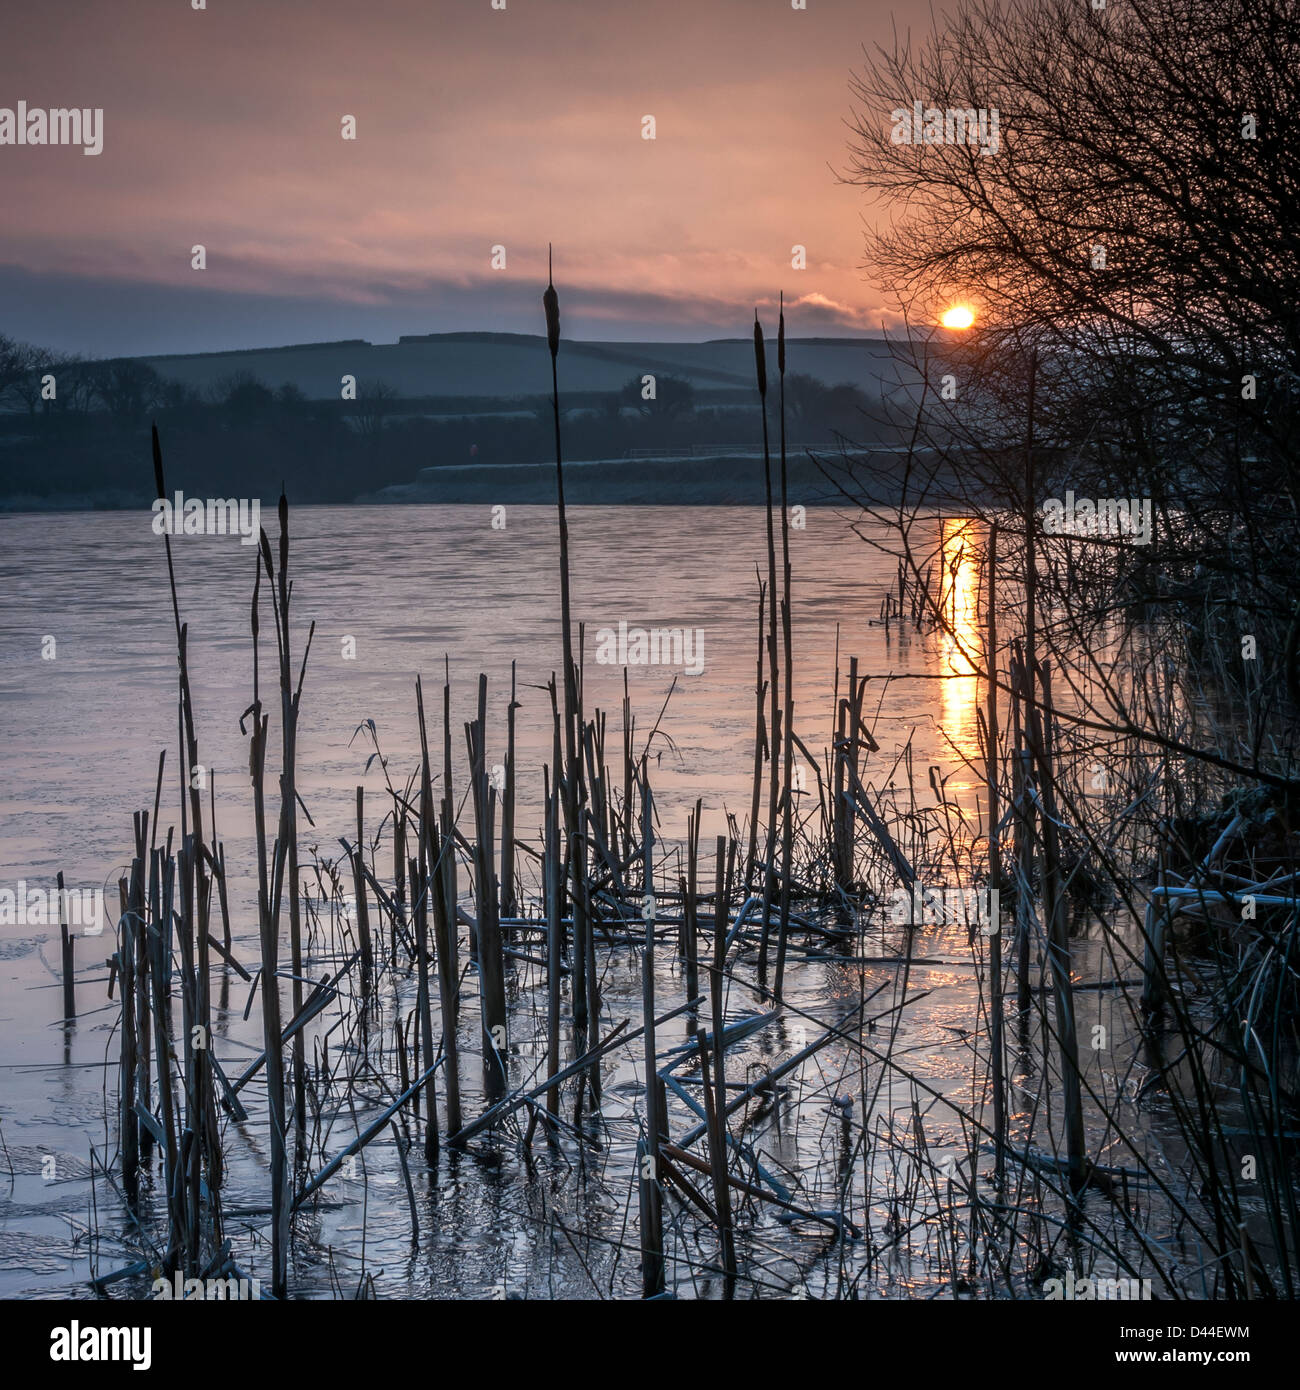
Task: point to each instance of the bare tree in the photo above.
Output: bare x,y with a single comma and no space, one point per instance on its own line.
1130,245
1132,232
28,387
127,389
15,359
373,405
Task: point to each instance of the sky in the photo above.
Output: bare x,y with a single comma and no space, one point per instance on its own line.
476,128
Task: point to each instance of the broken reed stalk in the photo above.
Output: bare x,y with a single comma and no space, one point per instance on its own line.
130,925
399,1143
191,1149
842,815
399,876
437,880
1058,942
650,1190
508,908
851,736
143,1012
363,905
769,865
159,946
690,911
444,923
222,897
553,870
615,1038
857,738
760,746
1022,842
715,1095
375,1128
451,877
995,863
280,1193
400,1045
420,888
580,854
629,730
65,958
491,965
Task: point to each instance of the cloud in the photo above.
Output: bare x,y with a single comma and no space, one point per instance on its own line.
136,317
820,308
475,128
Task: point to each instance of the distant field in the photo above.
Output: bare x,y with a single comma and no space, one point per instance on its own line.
726,480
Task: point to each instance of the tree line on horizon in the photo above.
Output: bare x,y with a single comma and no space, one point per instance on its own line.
74,430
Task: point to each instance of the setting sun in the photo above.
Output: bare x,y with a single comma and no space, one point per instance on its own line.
959,316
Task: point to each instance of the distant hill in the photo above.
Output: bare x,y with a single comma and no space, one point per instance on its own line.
515,364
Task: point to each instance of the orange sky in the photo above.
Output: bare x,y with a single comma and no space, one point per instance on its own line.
476,128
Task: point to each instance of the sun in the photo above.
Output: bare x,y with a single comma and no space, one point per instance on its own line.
959,316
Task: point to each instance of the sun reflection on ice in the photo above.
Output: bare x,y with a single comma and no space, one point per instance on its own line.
961,638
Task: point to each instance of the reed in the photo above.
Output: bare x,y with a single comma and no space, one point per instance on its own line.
362,901
554,879
648,1156
508,903
67,968
774,789
492,996
268,870
715,1085
787,659
572,768
997,1077
761,750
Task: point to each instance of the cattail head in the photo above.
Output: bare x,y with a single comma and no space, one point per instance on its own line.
780,338
157,463
760,356
551,303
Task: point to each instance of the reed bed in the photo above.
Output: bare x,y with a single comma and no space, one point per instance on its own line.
651,1016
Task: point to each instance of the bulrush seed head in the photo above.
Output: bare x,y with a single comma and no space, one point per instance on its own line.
551,303
780,338
760,357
